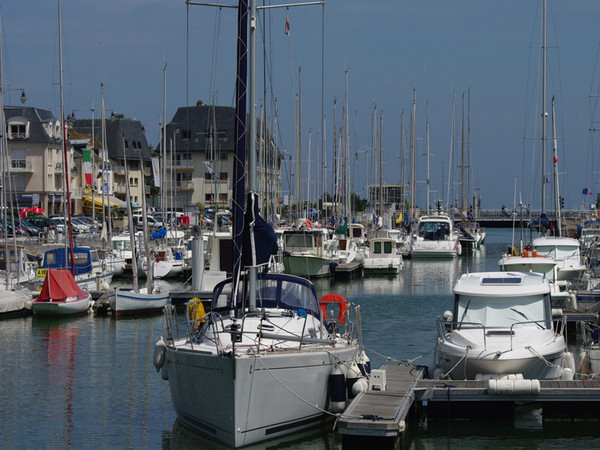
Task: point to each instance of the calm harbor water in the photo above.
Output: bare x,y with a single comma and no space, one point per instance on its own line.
89,381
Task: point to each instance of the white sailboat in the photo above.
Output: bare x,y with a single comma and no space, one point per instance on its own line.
258,365
137,300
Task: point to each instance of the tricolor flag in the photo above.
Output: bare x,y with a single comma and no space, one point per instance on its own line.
287,25
87,166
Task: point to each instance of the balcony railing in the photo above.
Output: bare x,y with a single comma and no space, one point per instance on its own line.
187,185
21,165
184,164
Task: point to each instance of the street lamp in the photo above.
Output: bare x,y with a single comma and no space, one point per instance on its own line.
23,96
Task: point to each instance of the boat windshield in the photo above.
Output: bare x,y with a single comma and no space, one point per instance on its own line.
502,312
434,231
558,252
119,244
273,291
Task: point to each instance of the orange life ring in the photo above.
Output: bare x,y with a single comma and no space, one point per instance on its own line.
334,298
309,223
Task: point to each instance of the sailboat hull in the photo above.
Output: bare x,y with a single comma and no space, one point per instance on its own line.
247,399
124,302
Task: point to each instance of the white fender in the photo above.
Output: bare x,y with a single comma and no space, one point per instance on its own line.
160,349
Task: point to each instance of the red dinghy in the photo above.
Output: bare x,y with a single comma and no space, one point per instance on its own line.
61,295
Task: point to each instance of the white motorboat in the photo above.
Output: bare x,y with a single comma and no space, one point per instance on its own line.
566,252
383,259
15,303
501,325
530,261
589,356
129,302
435,237
61,295
244,376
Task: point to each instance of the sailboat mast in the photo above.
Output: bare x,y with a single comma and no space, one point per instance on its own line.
462,156
428,181
240,144
134,252
252,57
64,141
557,205
413,144
544,114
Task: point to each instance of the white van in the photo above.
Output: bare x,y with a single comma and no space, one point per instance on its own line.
153,224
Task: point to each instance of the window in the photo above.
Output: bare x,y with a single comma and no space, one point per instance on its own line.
186,134
18,131
223,176
209,198
223,198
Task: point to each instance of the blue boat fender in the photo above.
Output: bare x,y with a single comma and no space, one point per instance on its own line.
364,364
337,389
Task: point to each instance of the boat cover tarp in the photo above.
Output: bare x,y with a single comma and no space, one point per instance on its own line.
258,246
14,301
57,257
59,284
159,234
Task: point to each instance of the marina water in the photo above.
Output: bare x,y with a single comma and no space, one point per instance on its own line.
89,381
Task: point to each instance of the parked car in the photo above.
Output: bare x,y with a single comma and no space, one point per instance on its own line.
29,228
41,221
153,224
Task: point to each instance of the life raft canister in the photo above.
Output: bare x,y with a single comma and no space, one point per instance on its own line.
337,299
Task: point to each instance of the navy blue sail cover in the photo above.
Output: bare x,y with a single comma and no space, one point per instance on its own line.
259,242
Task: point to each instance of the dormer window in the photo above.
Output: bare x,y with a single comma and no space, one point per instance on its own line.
17,131
18,128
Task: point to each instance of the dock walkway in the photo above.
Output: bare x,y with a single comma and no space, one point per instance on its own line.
382,414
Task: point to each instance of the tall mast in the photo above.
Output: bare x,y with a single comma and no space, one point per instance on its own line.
544,114
64,141
555,161
412,156
462,156
381,165
428,185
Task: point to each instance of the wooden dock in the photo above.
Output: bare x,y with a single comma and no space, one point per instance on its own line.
381,415
350,269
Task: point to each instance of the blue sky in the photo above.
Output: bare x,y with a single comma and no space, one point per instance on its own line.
389,47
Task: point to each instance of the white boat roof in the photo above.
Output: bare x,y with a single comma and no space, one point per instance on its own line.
555,241
436,218
505,284
539,260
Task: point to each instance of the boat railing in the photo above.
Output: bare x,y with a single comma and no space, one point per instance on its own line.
457,326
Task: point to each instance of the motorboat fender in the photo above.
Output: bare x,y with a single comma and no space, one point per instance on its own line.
568,365
160,350
361,385
364,364
352,377
337,389
513,387
584,361
573,303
